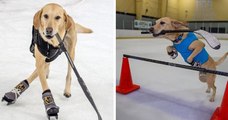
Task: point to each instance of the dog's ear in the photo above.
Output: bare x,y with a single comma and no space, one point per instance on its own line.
68,22
177,24
37,19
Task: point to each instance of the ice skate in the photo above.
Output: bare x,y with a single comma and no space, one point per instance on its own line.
12,96
51,109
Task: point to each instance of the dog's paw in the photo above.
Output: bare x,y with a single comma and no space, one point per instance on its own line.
173,53
67,95
208,91
212,99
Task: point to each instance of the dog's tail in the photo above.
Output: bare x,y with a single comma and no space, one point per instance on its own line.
82,29
221,60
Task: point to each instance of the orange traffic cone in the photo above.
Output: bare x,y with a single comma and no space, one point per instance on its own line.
126,85
221,113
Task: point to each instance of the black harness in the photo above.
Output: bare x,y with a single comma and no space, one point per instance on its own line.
47,50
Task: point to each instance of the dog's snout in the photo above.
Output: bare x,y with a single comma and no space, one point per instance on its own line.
152,29
49,30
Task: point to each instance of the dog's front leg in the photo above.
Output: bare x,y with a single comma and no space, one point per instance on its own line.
12,96
51,108
169,49
172,52
40,66
196,46
33,76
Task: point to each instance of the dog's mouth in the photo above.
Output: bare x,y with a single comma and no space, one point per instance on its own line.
156,35
49,36
161,33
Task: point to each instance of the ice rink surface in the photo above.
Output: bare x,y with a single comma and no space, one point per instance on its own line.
166,93
94,61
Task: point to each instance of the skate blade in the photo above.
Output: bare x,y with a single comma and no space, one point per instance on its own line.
8,102
52,117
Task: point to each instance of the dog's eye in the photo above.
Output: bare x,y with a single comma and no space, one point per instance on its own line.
46,16
162,23
57,17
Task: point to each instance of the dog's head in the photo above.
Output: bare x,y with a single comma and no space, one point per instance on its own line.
51,19
167,23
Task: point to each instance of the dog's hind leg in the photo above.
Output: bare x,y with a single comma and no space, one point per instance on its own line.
71,50
208,89
211,85
67,91
203,78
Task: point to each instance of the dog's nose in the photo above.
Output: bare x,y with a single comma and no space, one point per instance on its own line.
49,30
151,29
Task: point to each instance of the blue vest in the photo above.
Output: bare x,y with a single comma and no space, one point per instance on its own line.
182,48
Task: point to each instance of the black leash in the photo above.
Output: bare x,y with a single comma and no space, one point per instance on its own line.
177,65
80,80
168,31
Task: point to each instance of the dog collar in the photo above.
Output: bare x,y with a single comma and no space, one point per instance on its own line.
178,38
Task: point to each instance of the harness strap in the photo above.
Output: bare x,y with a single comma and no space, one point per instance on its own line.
56,54
47,50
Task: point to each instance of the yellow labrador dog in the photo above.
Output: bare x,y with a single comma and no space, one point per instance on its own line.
48,21
191,49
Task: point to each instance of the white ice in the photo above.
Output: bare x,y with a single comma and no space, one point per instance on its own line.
166,93
94,60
